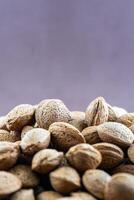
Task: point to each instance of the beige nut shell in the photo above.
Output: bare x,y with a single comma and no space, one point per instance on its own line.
65,180
20,116
23,195
9,183
116,133
97,112
50,111
46,160
49,195
83,157
65,135
95,181
120,187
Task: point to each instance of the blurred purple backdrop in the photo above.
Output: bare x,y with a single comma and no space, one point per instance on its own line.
74,50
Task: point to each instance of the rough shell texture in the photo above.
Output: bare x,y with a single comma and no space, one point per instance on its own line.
120,187
35,140
116,133
83,157
97,112
111,114
126,119
49,195
46,160
65,180
78,120
11,136
91,135
131,153
3,123
83,196
9,183
64,135
95,182
23,195
119,111
9,153
24,173
20,116
112,155
124,168
50,111
25,130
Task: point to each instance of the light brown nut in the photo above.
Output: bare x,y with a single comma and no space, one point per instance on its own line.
69,198
65,180
97,112
116,133
126,119
120,187
132,128
131,153
20,116
78,120
50,111
28,178
35,140
83,157
25,130
112,155
46,160
9,183
111,114
9,153
83,196
119,111
91,135
124,168
48,195
3,123
11,136
95,181
23,195
65,135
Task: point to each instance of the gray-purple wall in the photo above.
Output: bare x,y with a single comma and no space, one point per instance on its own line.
74,50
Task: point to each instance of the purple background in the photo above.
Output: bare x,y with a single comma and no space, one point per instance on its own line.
74,50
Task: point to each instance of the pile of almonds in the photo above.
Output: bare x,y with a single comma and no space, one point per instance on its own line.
50,153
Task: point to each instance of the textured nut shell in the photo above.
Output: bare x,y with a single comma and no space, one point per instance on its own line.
120,187
111,114
116,133
23,195
97,112
124,168
50,111
3,123
112,155
20,116
78,120
46,160
9,153
91,135
131,153
119,111
11,136
49,195
83,157
25,130
8,183
35,140
83,196
70,198
126,119
95,182
65,180
24,173
64,136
